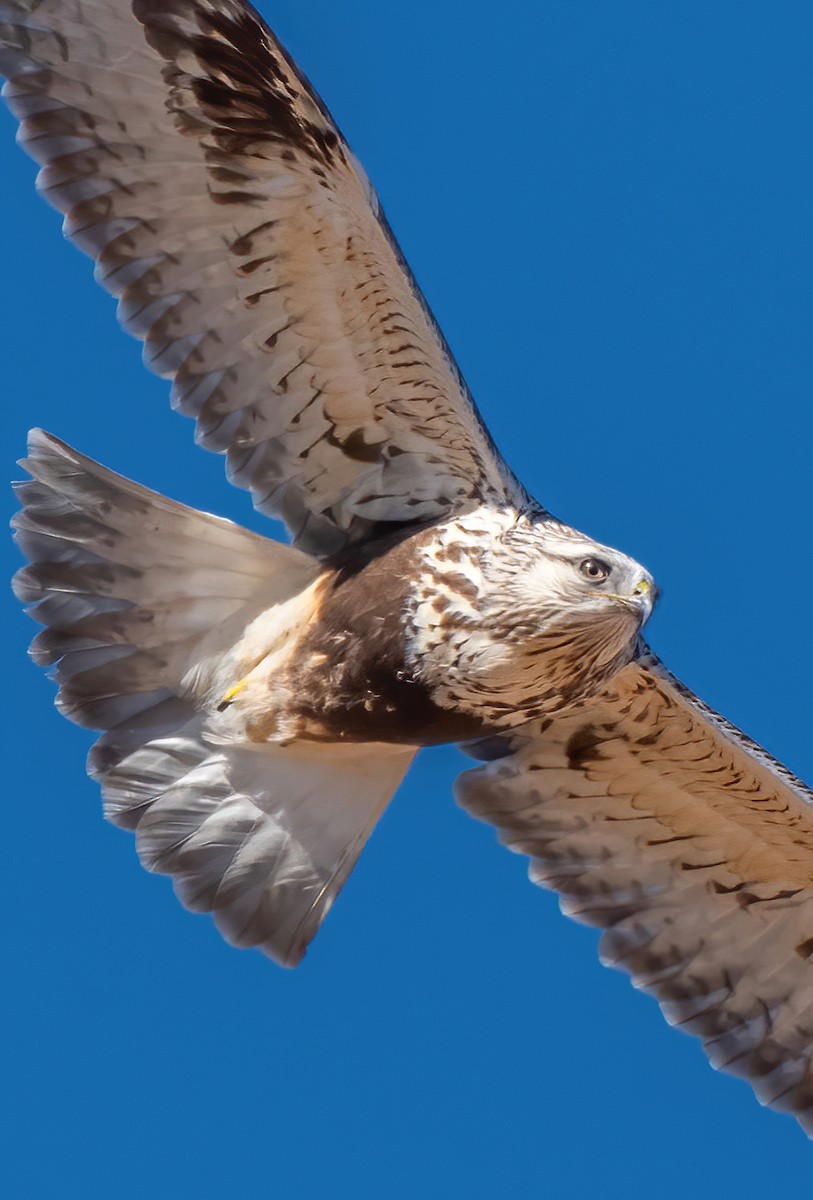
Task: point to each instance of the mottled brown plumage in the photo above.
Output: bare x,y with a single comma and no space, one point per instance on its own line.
353,677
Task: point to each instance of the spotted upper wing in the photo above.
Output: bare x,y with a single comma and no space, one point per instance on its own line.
199,169
659,822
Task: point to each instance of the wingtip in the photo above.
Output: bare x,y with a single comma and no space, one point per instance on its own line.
37,437
39,442
41,439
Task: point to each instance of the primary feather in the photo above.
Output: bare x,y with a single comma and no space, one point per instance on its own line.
248,251
658,821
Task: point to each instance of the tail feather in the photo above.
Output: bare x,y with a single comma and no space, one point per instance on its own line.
143,600
262,838
132,587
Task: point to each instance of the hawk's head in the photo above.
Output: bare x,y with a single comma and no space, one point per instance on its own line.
518,616
563,613
556,572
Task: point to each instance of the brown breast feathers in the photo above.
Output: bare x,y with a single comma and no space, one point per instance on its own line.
349,679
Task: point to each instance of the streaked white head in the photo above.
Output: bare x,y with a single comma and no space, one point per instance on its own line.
519,616
556,572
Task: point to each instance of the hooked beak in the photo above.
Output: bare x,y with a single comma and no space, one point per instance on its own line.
641,600
644,597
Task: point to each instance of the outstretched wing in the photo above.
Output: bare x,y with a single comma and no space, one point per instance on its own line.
199,169
661,823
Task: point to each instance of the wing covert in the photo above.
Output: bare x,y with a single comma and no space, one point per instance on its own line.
246,247
657,821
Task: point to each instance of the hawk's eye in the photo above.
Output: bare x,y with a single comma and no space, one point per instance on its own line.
594,569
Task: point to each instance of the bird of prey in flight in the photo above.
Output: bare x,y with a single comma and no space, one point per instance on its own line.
260,703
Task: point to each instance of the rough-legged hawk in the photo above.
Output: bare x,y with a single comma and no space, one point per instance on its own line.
260,703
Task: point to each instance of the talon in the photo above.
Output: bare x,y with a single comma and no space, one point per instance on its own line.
231,693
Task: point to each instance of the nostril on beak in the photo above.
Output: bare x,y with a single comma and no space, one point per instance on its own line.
646,588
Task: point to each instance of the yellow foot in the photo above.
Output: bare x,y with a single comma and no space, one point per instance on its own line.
231,693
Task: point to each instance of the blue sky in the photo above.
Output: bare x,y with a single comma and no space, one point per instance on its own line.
608,206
